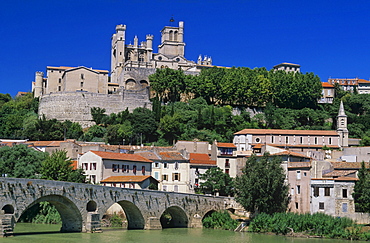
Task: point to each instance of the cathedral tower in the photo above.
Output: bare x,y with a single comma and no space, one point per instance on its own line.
38,84
118,52
342,126
172,42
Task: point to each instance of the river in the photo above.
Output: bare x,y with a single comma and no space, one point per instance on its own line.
32,233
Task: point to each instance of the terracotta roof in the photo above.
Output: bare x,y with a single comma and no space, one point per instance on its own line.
349,165
363,81
125,179
287,132
346,179
299,165
121,156
75,164
340,173
45,143
149,155
326,85
258,146
201,159
226,145
292,154
171,156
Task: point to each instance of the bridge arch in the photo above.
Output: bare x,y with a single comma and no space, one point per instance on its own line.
8,209
91,206
133,214
69,213
174,217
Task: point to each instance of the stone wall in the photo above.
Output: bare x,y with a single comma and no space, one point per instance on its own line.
76,106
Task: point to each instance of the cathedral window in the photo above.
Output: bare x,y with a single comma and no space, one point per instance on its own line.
171,35
175,36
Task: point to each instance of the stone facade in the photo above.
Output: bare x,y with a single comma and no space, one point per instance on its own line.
82,206
69,93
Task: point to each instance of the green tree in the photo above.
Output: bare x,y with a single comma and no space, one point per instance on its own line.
117,133
98,115
216,181
20,161
361,190
58,167
261,187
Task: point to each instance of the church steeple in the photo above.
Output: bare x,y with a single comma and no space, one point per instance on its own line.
342,126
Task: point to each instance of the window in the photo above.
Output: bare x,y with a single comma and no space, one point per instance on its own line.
123,185
298,174
165,165
93,179
143,170
321,205
176,165
286,139
115,167
292,191
327,191
164,177
329,140
304,173
134,169
344,193
316,191
301,140
272,139
344,207
59,88
227,163
258,140
156,175
226,151
227,171
60,80
92,166
156,165
82,84
176,176
176,188
315,140
85,166
296,205
298,189
82,76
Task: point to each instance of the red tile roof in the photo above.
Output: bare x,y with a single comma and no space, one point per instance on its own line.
339,173
125,179
121,156
287,132
201,159
349,165
226,145
45,143
171,156
290,153
346,179
326,85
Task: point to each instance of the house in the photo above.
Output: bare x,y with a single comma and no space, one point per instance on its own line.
225,155
351,84
328,93
299,179
99,165
288,67
199,164
170,168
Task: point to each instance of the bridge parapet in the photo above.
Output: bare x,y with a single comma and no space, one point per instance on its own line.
82,206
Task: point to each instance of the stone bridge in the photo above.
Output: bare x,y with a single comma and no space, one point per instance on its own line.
82,206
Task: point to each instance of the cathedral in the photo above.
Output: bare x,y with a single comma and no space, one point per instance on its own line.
69,93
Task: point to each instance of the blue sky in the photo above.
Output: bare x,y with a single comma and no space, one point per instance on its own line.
329,38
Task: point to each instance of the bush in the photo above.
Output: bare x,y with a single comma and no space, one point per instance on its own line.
317,224
220,220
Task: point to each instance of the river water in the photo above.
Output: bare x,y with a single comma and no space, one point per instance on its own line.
39,233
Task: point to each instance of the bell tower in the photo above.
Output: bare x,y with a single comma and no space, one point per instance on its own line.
342,126
172,42
118,52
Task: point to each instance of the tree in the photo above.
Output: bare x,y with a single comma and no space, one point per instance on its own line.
20,161
261,187
361,191
58,166
216,181
98,115
117,133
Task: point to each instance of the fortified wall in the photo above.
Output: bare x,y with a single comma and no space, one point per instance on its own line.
76,106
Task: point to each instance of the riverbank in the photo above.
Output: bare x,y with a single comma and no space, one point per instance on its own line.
309,226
